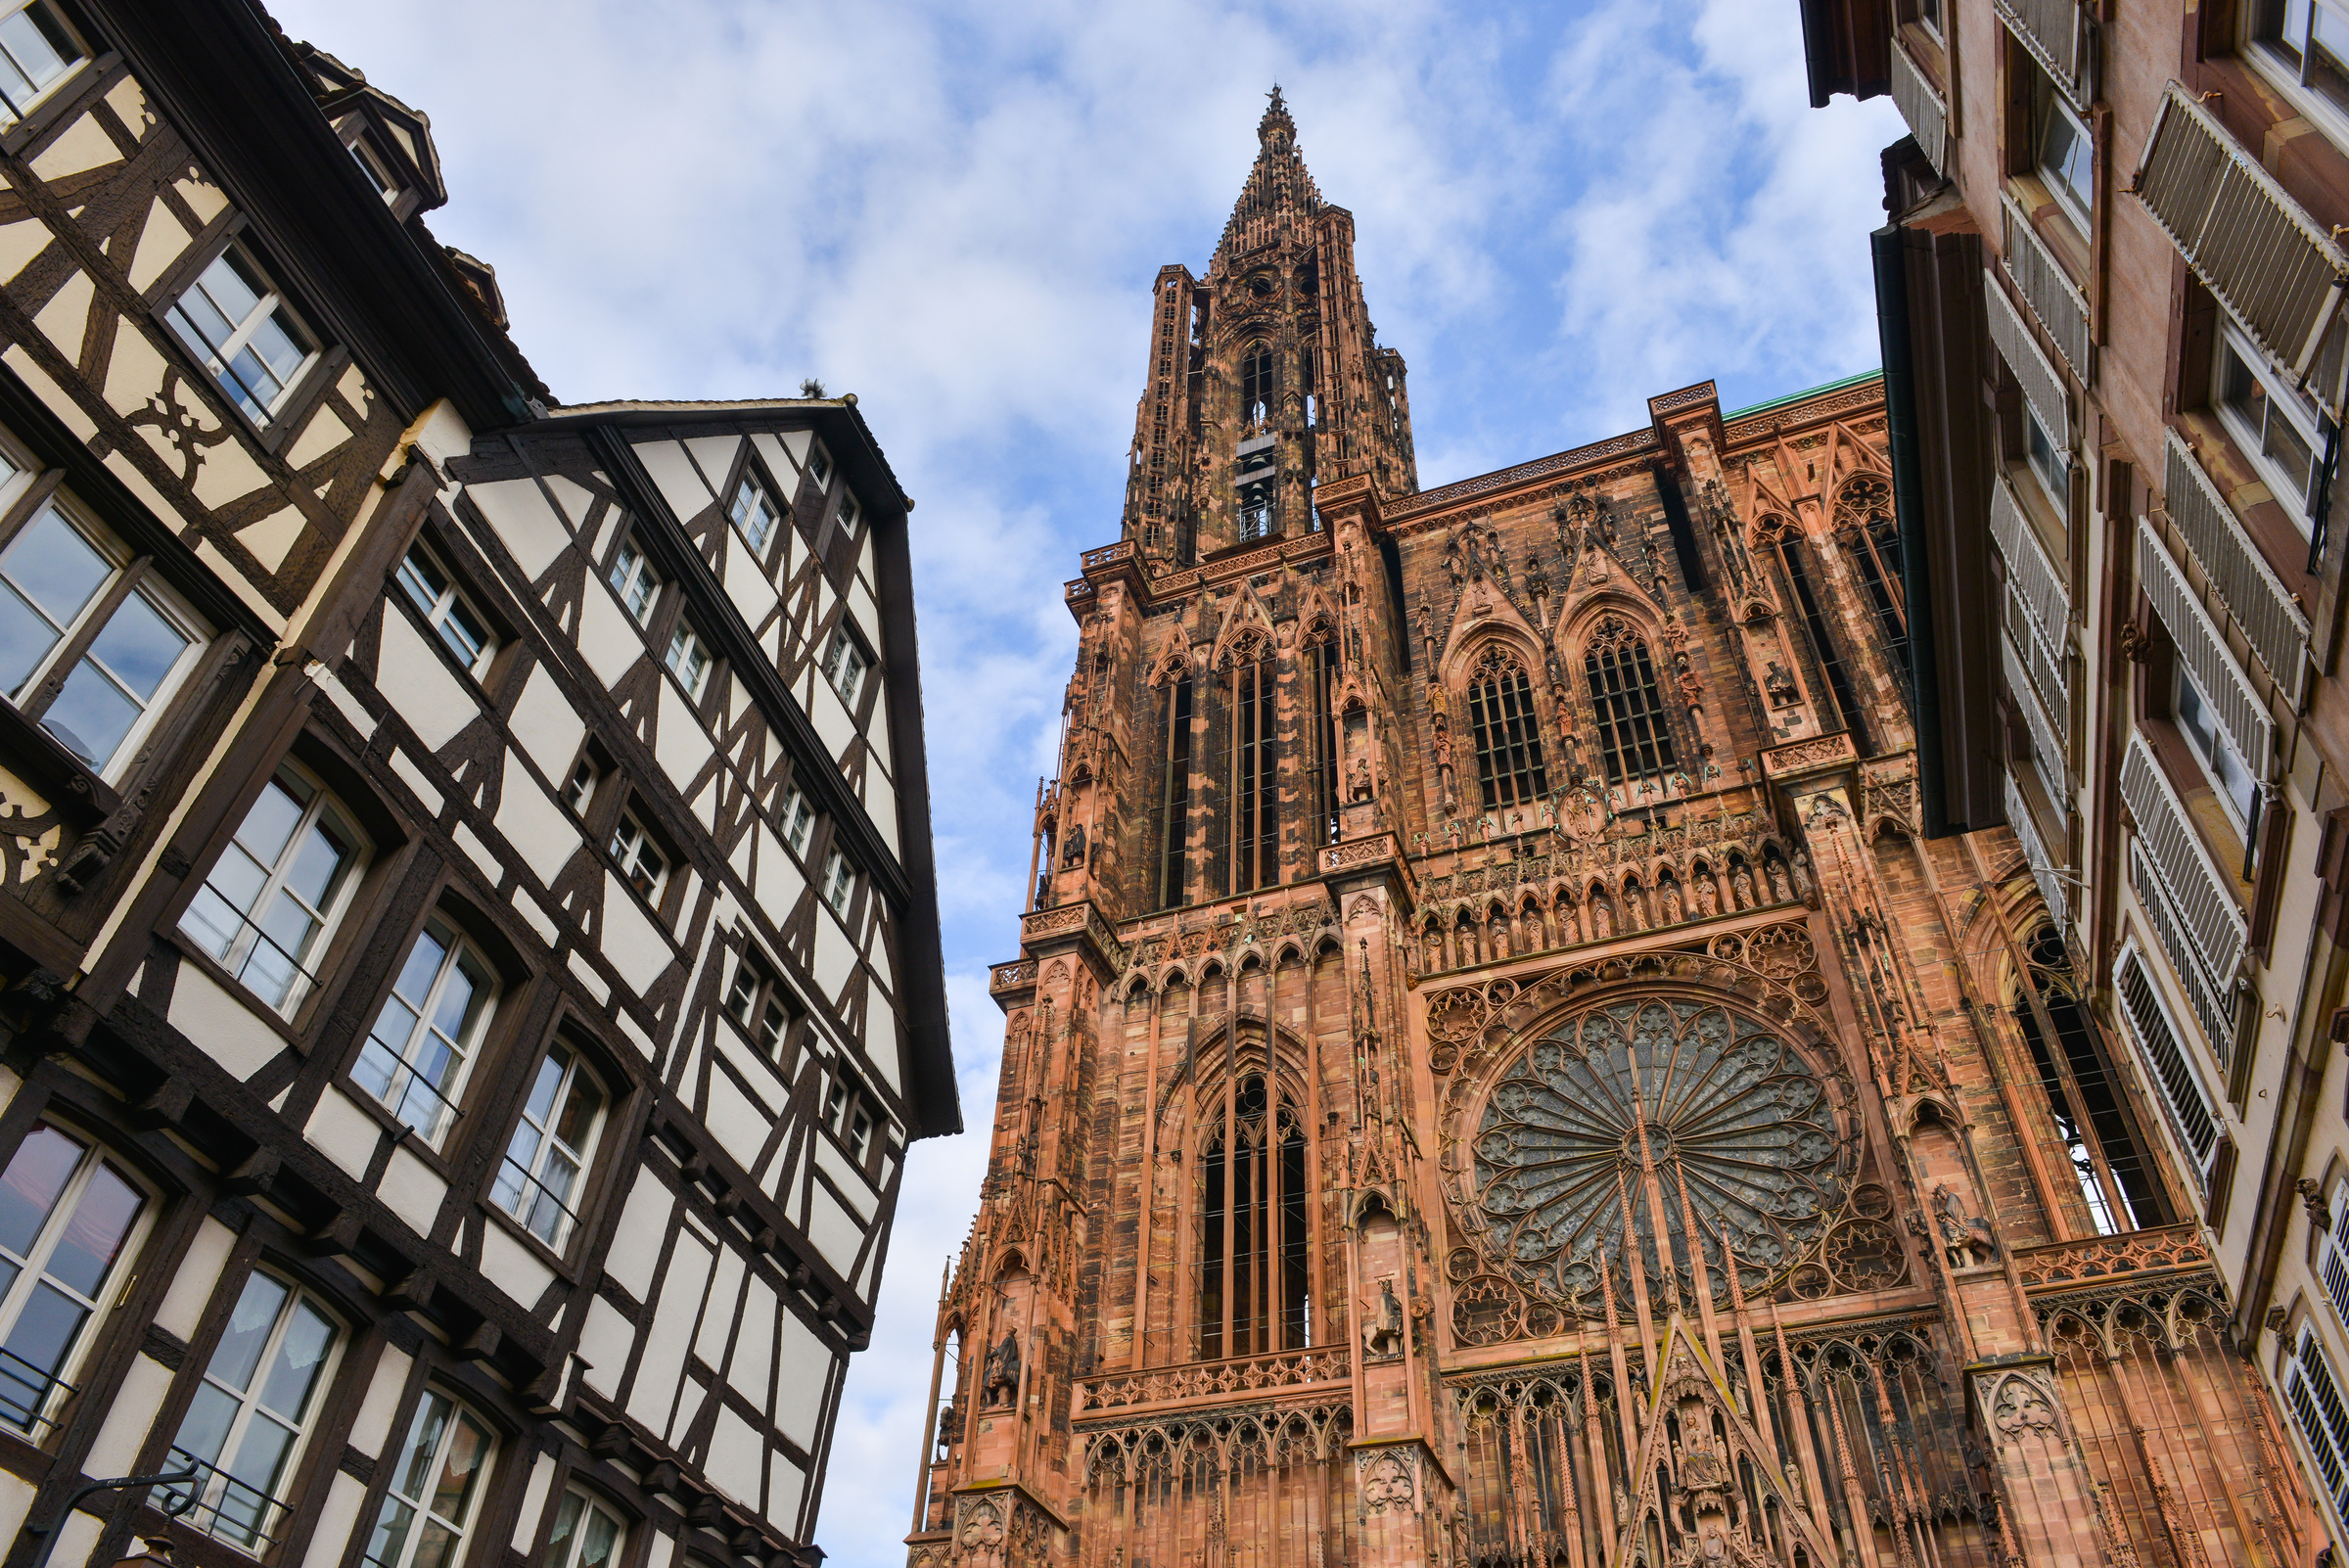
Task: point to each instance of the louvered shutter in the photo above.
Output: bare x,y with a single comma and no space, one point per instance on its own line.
2275,268
1921,106
2275,628
2213,1009
2050,757
2233,700
2035,849
2046,592
2056,34
2061,309
2182,1092
2033,370
2210,921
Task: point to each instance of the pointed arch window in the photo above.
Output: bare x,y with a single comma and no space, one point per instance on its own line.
1872,536
1321,669
1804,600
1633,740
1174,796
2083,1089
1257,383
1252,1291
1509,737
1252,823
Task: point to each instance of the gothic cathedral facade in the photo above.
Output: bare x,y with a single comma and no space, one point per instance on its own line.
1495,1071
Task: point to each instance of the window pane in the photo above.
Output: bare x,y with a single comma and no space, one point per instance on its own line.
294,1373
39,1343
318,864
239,1351
580,1108
206,1429
90,715
28,1189
452,1493
603,1535
39,54
542,1104
269,826
101,1220
139,646
558,1539
55,567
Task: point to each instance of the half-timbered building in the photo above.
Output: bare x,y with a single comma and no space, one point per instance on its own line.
1496,1071
469,960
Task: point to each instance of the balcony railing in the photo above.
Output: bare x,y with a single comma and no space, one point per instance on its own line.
1246,1376
223,1506
2275,628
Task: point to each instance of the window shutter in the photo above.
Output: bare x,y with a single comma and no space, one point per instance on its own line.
2056,34
2237,705
2047,289
2254,246
2208,918
2035,851
2148,1020
1921,106
2316,1403
2033,371
2046,592
2335,1264
2275,628
2212,1008
2049,755
2048,671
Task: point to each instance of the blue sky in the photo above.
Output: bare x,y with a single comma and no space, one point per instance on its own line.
957,213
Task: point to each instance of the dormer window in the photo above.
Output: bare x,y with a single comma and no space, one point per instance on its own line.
37,51
377,168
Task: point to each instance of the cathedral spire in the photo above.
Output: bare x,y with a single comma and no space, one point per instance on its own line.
1279,198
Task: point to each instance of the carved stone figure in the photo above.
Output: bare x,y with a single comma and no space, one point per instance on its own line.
1805,888
1669,901
1383,1337
999,1381
1780,685
1707,897
1603,920
1359,787
1073,855
949,1424
1780,889
1741,887
1966,1237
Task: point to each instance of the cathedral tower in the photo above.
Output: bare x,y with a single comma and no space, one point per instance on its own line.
1494,1072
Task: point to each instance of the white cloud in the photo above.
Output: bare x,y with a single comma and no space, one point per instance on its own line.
956,211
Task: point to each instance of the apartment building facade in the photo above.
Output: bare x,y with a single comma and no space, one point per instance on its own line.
469,960
2111,294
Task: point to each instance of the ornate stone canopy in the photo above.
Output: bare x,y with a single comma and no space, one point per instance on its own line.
1675,1108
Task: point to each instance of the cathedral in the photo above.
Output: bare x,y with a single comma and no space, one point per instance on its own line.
1495,1071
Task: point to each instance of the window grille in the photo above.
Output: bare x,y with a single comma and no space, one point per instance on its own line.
2148,1020
2274,626
1322,667
2269,263
1633,740
1508,735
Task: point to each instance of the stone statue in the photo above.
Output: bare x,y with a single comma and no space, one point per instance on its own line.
1002,1372
1741,884
1803,887
1780,890
1359,786
1966,1237
1707,897
1603,920
950,1420
1570,924
1384,1336
1670,900
1072,853
1779,685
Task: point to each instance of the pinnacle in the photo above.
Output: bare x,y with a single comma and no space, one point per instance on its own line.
1279,193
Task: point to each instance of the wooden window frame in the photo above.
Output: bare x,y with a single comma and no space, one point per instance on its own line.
304,391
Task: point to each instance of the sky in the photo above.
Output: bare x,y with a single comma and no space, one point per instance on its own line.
957,213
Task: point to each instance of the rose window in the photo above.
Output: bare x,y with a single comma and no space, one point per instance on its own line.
1668,1111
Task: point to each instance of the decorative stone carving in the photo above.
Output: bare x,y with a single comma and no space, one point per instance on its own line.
1390,1480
